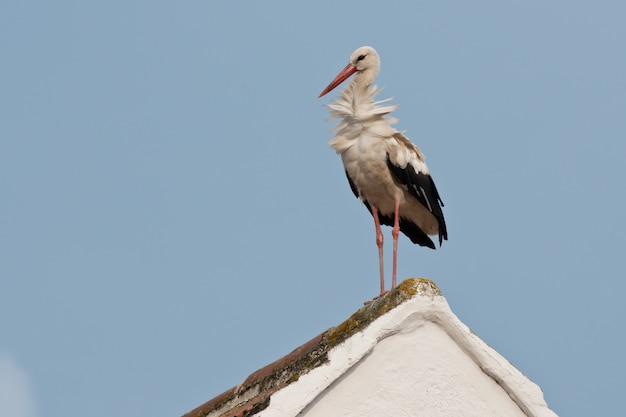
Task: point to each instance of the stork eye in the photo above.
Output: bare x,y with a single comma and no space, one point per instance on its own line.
360,58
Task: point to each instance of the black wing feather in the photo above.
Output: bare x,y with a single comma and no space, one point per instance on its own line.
422,187
410,229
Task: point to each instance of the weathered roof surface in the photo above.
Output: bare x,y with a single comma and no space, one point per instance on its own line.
332,370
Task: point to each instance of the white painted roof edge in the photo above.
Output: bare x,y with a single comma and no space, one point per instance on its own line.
413,313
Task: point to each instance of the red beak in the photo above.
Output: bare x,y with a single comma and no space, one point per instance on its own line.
341,77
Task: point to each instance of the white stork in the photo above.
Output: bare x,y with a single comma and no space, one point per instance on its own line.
384,168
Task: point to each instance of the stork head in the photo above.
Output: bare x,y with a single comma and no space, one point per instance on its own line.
365,61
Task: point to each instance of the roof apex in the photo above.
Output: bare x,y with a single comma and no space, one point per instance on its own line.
254,393
427,347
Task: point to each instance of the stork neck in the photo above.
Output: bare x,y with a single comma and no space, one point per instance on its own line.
364,79
361,83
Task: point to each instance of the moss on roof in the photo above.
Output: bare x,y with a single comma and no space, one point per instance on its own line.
254,393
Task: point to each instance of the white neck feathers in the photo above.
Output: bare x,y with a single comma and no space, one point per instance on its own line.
358,111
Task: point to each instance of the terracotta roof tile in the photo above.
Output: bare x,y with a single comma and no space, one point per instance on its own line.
253,395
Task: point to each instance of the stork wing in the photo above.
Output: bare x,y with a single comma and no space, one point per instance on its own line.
415,176
410,229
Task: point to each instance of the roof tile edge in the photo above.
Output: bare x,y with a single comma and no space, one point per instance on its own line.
254,393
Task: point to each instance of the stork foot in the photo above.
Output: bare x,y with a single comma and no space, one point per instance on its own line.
375,298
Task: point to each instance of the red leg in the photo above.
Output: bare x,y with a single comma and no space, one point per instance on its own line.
395,232
379,243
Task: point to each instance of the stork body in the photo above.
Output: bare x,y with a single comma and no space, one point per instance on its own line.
384,168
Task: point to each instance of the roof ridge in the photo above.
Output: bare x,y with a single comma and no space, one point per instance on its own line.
253,395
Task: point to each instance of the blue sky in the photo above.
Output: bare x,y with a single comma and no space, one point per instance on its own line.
173,219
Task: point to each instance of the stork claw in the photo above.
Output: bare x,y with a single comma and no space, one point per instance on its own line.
368,302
